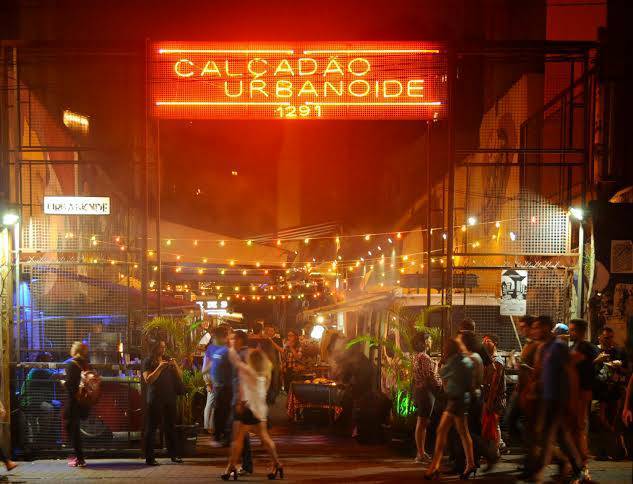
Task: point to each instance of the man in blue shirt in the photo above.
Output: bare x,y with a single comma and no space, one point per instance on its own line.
220,369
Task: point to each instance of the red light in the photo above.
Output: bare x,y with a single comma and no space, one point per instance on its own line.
328,80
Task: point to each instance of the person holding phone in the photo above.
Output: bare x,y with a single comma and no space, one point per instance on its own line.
163,378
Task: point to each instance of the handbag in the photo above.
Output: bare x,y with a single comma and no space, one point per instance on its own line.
489,422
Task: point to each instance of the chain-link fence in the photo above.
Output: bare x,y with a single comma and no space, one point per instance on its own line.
78,277
521,165
38,420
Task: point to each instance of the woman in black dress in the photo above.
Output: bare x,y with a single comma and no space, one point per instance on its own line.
164,381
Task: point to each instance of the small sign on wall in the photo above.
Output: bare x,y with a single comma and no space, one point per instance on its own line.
514,285
77,205
622,256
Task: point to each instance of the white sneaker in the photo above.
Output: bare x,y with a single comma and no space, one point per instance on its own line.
419,459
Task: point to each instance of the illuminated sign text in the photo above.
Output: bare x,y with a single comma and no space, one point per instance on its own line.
404,80
77,205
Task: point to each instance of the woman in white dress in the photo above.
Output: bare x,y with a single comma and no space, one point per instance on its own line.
251,411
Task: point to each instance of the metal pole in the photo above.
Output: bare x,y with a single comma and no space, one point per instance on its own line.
159,259
581,262
145,191
18,301
450,215
429,238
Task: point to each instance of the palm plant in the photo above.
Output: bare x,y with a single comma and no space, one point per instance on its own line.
194,385
398,352
179,335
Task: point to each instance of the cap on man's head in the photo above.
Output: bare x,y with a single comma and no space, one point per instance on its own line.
560,328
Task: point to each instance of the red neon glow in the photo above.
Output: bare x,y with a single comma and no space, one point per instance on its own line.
326,80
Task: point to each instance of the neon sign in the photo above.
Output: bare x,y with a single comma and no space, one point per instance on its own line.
377,80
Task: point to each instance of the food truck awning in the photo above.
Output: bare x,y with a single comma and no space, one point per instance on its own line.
377,300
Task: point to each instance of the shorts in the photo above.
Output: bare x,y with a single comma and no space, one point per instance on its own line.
246,416
424,402
456,408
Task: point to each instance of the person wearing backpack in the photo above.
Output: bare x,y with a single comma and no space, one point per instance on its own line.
75,409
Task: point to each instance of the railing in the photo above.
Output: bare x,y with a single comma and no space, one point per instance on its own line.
39,400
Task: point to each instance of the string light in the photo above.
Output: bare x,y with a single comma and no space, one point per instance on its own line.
399,235
472,220
463,228
497,224
306,241
231,263
367,237
249,242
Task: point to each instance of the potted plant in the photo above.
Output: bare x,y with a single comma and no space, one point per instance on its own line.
179,335
396,343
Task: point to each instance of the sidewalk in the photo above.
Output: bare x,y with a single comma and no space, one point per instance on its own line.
308,463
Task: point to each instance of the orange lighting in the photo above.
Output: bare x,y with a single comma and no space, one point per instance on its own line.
75,121
325,80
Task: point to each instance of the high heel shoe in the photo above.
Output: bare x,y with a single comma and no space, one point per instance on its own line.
466,474
433,476
277,469
227,475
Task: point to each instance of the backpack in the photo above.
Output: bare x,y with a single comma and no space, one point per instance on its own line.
89,387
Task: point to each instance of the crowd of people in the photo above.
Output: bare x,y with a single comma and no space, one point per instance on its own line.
563,379
561,375
244,376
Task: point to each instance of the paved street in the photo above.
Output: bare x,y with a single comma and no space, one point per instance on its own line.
308,459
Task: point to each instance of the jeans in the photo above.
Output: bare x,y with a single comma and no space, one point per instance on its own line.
222,421
73,427
209,411
552,429
513,417
156,412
